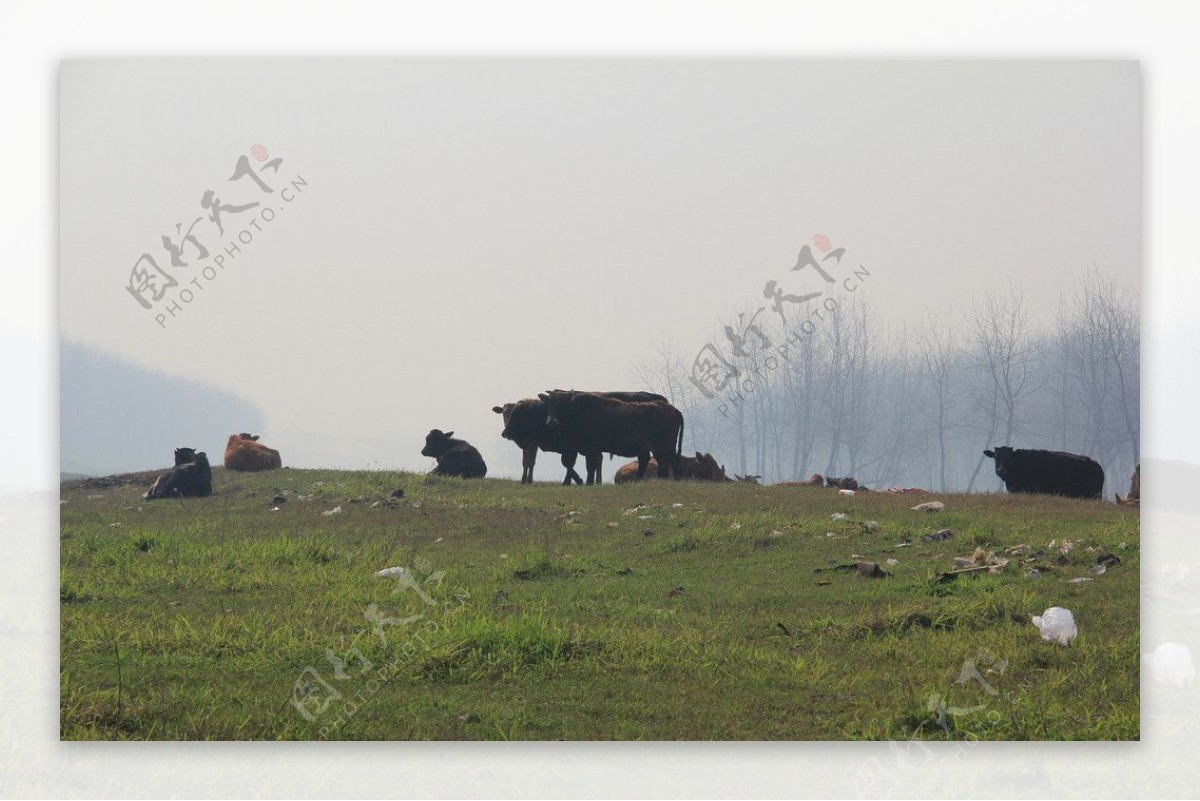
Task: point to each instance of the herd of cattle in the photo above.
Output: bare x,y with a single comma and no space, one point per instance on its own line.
642,425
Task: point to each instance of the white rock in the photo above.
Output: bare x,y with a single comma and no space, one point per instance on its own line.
337,510
391,572
847,493
932,506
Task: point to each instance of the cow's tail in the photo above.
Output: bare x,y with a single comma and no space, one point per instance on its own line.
678,449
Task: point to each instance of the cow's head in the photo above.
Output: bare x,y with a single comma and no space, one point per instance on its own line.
707,468
184,455
555,400
1003,458
505,413
251,437
437,443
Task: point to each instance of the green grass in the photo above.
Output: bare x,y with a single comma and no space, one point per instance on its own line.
544,612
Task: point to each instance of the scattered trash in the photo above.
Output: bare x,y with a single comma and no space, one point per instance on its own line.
503,556
677,506
648,532
612,525
1108,560
1171,663
625,571
735,526
932,506
776,534
359,499
279,498
893,562
938,536
391,572
824,583
645,517
1016,550
904,544
397,493
470,717
1033,572
839,516
115,525
1098,570
978,562
1057,625
1066,547
373,505
674,591
273,509
634,510
847,493
1080,580
439,539
871,525
784,629
337,510
568,514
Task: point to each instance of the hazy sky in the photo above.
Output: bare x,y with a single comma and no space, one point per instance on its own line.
474,232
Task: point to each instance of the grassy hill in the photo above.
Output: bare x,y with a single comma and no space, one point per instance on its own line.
543,612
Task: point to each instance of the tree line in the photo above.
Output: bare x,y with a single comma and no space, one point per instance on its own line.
915,405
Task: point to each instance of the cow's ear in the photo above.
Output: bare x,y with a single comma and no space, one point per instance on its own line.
990,454
497,410
448,434
255,438
542,396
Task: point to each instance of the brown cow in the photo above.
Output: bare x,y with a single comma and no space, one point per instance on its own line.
1134,498
841,483
592,424
243,452
816,480
701,467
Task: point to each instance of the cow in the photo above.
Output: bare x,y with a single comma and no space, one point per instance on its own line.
525,425
455,457
841,483
243,452
816,480
191,477
746,479
1048,472
1134,498
592,424
701,467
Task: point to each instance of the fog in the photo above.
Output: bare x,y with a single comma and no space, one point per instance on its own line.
464,233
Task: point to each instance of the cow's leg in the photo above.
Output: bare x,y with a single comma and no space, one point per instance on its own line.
592,460
666,463
568,461
528,459
643,463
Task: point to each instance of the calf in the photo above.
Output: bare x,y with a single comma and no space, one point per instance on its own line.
455,457
1048,472
592,424
191,477
243,452
701,467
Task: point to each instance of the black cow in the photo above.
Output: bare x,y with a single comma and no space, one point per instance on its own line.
455,457
841,483
191,477
593,424
1048,472
525,425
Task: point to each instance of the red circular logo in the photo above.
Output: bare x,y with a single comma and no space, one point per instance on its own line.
822,242
259,152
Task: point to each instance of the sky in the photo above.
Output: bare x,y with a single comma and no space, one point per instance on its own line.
449,235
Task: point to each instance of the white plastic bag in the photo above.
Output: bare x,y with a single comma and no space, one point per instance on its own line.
1057,625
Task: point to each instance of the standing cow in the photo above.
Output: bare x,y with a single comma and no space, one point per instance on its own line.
191,477
1048,472
455,457
525,425
1134,498
593,424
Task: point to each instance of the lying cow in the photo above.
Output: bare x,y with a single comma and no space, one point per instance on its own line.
1134,498
701,467
815,480
525,425
840,483
191,477
593,424
243,452
1048,472
908,491
455,457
